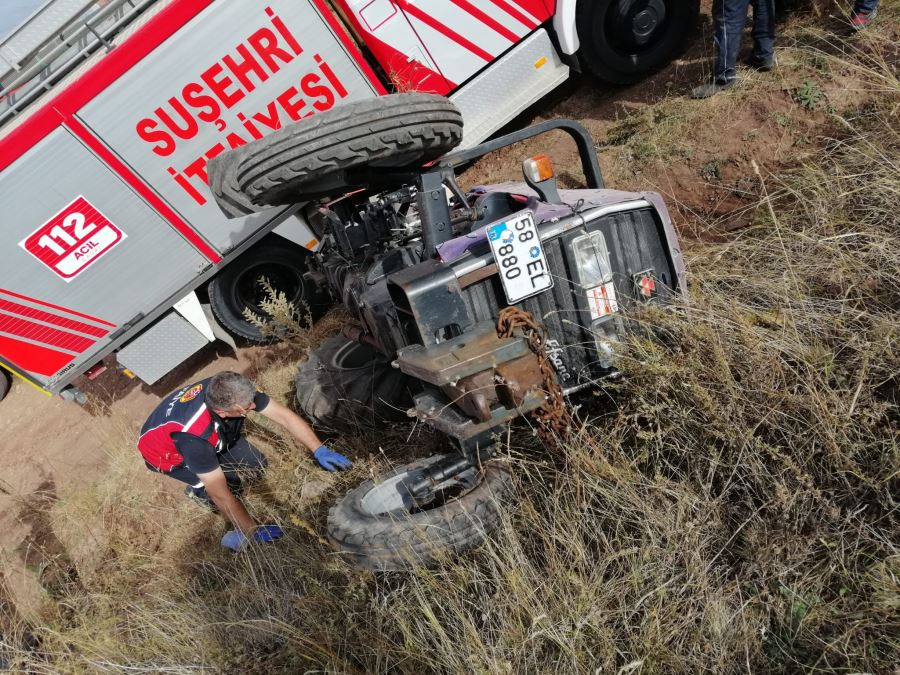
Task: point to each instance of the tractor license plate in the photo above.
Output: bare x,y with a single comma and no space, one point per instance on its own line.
520,257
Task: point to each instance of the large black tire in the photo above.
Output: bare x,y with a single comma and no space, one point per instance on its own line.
467,512
5,383
309,159
237,288
349,386
623,41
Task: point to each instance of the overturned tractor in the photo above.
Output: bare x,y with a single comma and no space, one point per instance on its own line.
474,306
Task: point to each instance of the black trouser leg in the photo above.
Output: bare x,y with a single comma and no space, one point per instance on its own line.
729,19
763,30
243,464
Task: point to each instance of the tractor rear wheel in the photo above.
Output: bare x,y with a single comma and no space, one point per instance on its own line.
348,385
311,158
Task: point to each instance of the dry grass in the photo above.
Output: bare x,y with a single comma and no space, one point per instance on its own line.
730,505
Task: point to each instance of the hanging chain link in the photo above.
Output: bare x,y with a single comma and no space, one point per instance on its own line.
553,417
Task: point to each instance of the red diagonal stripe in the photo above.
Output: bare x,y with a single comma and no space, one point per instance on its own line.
412,10
33,358
486,19
138,185
57,307
514,12
56,320
45,334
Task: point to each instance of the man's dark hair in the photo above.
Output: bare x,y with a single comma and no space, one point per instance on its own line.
228,390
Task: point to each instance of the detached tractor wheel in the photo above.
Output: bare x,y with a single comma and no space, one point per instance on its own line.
378,527
236,288
623,41
347,385
5,383
309,159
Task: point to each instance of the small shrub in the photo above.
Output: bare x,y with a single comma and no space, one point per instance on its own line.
808,94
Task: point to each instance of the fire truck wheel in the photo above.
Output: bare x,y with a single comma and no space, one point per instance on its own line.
623,41
5,383
378,530
347,385
309,159
237,289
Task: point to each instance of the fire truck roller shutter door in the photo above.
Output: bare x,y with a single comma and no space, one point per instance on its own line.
623,41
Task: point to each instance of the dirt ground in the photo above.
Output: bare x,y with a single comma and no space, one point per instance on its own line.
49,447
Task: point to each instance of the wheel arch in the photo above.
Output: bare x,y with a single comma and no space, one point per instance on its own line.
225,305
565,28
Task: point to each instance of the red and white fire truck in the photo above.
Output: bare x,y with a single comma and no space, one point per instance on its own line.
110,109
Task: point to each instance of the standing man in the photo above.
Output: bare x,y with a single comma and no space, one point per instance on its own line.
729,19
195,436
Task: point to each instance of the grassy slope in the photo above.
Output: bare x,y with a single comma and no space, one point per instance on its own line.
729,506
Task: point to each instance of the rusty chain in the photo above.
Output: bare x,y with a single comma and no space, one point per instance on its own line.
554,420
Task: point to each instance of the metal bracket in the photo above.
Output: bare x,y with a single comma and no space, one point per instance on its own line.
429,293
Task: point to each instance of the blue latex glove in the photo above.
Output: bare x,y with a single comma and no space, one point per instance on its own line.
237,540
331,460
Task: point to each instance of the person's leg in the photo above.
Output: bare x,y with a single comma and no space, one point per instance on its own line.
242,464
865,6
184,475
729,19
763,33
863,13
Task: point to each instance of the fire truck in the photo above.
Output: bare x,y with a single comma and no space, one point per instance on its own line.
111,109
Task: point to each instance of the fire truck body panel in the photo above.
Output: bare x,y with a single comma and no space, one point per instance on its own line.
83,142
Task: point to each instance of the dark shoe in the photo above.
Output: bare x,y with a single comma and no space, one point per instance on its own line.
199,496
710,89
861,20
762,65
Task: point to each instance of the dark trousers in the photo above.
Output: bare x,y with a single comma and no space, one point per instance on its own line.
865,6
241,465
729,19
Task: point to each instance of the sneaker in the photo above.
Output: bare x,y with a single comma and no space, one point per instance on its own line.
860,20
710,89
202,498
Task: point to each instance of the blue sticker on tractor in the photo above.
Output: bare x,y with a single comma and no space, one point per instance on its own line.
495,231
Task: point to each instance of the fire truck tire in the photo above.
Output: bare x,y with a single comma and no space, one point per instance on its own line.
347,385
5,383
623,41
466,512
236,288
309,159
